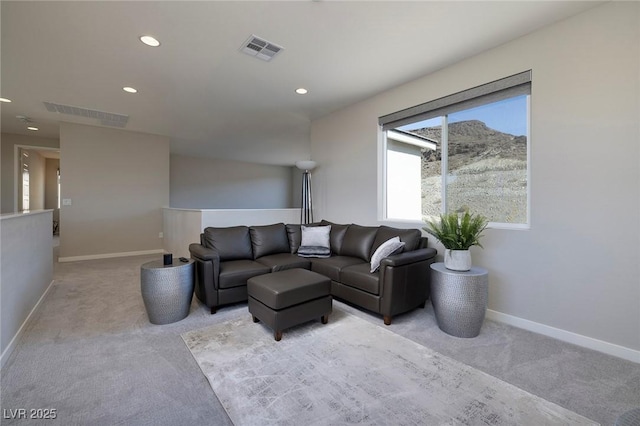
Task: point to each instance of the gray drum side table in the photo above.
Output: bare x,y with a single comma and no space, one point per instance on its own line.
167,290
459,299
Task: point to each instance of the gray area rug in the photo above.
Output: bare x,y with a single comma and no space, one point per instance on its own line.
353,372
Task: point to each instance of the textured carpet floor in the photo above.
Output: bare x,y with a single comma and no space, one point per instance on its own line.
91,353
353,372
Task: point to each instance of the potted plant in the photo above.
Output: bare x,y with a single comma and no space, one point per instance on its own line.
458,231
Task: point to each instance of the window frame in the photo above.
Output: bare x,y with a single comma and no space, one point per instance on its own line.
505,88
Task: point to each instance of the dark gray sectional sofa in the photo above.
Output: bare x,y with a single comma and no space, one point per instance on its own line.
226,258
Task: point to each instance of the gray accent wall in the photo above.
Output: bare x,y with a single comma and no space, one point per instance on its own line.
576,270
37,174
204,183
118,183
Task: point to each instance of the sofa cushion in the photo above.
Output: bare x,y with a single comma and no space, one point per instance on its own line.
389,247
232,243
358,241
410,237
235,273
331,267
269,239
283,261
360,277
336,236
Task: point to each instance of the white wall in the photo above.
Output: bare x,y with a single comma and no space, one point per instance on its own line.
184,226
203,183
26,272
118,183
576,271
404,181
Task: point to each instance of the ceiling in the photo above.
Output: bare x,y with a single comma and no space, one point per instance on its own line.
210,99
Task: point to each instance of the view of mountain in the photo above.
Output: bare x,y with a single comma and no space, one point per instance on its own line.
469,142
487,172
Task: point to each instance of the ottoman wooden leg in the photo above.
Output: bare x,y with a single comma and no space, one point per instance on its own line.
325,318
277,335
255,319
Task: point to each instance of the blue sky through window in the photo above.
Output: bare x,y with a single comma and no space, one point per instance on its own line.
507,116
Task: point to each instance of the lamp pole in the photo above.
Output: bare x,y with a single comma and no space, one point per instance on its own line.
306,207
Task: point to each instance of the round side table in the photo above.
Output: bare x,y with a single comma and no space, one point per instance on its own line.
459,299
167,290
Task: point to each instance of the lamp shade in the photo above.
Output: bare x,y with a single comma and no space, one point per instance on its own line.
306,164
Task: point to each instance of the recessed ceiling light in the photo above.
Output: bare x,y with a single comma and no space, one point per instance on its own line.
5,100
302,91
32,128
129,89
150,41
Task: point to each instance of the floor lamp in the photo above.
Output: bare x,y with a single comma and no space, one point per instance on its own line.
306,208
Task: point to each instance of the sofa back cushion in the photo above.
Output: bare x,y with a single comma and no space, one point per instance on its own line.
336,236
294,235
410,237
358,240
232,243
269,239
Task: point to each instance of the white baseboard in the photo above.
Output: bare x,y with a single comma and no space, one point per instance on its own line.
12,344
567,336
109,255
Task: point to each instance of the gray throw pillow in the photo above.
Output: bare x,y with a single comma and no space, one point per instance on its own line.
317,236
387,248
314,251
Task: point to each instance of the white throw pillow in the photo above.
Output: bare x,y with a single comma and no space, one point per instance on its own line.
317,236
387,248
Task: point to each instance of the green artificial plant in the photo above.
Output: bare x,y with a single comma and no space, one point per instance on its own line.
458,231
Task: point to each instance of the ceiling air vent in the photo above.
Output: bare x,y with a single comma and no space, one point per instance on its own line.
105,118
260,48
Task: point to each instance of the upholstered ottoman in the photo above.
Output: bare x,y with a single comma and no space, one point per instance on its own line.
290,297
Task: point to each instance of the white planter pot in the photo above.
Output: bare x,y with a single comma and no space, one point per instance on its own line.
457,260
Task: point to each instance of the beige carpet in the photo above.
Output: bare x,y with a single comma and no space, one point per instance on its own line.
353,372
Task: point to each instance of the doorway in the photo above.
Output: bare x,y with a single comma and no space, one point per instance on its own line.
37,181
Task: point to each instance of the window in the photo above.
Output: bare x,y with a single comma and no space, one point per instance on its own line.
58,184
467,150
24,189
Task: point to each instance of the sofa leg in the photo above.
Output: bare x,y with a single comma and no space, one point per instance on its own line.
277,335
387,319
213,310
325,319
255,319
423,304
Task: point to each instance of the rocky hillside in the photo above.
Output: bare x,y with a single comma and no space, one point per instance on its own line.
469,142
488,171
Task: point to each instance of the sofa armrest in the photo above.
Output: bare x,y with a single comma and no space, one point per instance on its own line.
409,257
207,270
405,279
198,251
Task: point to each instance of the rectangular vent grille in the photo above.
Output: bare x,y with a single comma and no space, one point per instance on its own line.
105,118
260,48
